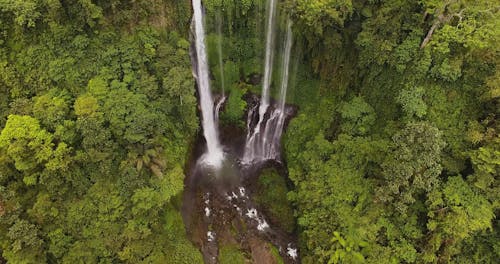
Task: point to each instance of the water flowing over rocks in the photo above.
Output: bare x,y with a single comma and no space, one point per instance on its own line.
217,205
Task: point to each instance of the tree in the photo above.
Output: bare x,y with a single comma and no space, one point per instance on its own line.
26,13
26,244
357,117
334,195
456,212
486,161
322,14
412,102
129,116
413,165
51,109
28,145
96,138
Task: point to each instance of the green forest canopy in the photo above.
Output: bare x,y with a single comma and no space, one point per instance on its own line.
394,155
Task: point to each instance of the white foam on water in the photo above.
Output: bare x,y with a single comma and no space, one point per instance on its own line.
242,192
207,211
262,225
210,236
252,213
292,252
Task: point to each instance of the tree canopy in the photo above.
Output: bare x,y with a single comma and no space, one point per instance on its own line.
393,155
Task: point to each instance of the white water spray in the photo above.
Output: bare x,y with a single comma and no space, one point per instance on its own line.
214,154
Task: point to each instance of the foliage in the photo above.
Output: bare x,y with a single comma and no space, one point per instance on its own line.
324,13
407,98
393,156
455,214
357,117
231,254
412,166
412,102
276,254
272,195
99,106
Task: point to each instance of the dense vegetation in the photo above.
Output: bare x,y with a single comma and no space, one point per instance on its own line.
98,111
394,155
402,154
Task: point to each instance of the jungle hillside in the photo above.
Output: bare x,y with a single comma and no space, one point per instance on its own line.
249,131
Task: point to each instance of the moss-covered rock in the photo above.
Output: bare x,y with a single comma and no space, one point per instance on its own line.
272,196
231,254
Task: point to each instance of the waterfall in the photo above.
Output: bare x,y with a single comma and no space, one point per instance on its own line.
263,142
274,126
218,106
268,65
252,148
285,66
265,122
214,153
219,50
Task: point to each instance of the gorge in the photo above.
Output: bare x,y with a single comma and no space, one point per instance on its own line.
228,173
249,131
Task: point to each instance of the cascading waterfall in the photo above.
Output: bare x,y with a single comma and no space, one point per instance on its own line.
225,197
263,142
214,154
263,139
252,147
274,125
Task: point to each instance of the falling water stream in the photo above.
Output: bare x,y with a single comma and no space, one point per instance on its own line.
224,201
269,57
214,154
218,20
264,140
254,142
285,66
